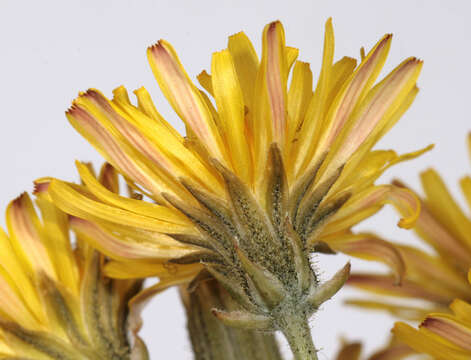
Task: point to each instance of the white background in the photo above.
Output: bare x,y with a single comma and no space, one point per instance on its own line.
50,50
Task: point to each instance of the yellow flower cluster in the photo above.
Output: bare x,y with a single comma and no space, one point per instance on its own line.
56,304
438,275
272,169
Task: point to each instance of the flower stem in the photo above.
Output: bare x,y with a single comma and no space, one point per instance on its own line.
211,339
297,332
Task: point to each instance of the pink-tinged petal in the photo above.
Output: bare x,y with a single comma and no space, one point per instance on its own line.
384,284
438,236
376,110
443,206
276,77
370,247
450,330
370,201
353,90
184,97
128,131
428,343
40,186
432,270
13,307
109,178
122,249
111,150
26,238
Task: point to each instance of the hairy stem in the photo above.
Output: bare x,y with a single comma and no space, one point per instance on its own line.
297,332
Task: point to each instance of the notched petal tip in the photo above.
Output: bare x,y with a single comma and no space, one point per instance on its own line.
158,46
41,185
272,25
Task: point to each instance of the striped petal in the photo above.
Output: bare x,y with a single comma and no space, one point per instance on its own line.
26,236
424,342
369,247
123,249
184,97
72,202
370,201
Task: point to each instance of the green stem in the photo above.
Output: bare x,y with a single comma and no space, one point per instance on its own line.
211,339
297,332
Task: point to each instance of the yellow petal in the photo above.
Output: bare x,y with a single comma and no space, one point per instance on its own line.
276,77
299,95
449,328
380,103
423,342
269,121
57,229
435,273
26,236
145,208
119,154
72,202
146,105
352,93
13,307
384,285
432,231
443,206
371,200
133,270
341,72
124,249
314,120
230,104
160,146
291,56
461,309
369,247
184,96
246,64
12,268
465,184
206,81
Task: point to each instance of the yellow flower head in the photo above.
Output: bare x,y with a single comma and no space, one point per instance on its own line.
267,173
439,275
55,301
444,336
